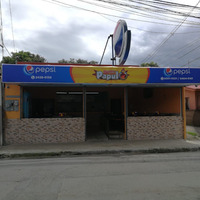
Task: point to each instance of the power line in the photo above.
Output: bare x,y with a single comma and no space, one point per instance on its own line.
191,43
117,16
10,9
167,38
117,6
156,32
1,29
7,51
189,52
147,7
191,61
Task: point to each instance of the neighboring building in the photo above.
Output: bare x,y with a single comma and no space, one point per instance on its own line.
192,101
51,103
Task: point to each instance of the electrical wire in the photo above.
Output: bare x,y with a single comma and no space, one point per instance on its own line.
192,24
1,21
162,12
147,7
7,51
166,39
191,62
189,52
10,9
120,8
184,47
156,32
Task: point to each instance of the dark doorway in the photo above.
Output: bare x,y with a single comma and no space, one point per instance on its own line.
105,114
115,105
115,126
97,107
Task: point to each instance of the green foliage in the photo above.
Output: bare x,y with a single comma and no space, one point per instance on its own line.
78,61
191,133
23,56
151,64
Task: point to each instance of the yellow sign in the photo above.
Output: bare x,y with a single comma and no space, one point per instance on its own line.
111,75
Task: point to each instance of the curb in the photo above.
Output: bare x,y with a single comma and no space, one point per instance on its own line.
97,152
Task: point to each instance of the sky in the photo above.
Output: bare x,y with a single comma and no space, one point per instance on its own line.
64,29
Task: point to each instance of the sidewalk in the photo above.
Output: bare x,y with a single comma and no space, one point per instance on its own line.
96,148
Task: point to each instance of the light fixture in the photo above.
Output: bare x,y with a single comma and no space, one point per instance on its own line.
61,92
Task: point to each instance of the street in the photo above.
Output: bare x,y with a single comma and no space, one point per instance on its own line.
150,176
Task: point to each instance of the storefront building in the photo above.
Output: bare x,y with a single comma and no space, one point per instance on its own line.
192,103
62,103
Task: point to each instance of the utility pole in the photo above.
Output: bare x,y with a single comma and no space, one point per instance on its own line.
1,31
2,46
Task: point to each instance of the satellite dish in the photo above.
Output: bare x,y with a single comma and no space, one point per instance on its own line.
121,41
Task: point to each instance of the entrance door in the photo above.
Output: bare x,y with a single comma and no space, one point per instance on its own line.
97,107
116,119
26,104
105,113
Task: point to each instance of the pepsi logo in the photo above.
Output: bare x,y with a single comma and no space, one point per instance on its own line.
168,72
121,41
29,69
176,71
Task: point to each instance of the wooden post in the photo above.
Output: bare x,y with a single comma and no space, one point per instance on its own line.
84,109
183,112
125,112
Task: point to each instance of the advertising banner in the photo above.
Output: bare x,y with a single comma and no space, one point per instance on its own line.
97,74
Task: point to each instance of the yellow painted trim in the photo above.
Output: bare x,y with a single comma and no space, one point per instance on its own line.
10,93
184,113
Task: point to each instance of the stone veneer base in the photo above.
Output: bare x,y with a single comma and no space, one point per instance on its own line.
44,130
155,127
63,130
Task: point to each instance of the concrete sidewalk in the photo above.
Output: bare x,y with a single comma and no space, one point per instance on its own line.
96,148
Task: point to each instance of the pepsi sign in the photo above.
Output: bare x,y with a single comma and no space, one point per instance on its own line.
28,70
168,72
65,74
36,74
121,41
171,71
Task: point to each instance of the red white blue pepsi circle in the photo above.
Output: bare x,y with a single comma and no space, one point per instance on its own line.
28,69
118,37
126,47
121,41
168,71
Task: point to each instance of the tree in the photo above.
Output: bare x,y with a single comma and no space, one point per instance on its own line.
151,64
23,56
78,61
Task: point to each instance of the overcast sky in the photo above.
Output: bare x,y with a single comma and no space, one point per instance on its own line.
57,31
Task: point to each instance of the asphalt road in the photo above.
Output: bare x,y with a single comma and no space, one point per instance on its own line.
117,177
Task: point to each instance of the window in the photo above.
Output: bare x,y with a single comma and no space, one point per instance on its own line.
187,103
52,102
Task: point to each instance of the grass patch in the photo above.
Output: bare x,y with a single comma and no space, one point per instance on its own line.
191,133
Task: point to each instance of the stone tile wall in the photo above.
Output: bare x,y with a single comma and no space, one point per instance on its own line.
193,117
155,127
44,130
